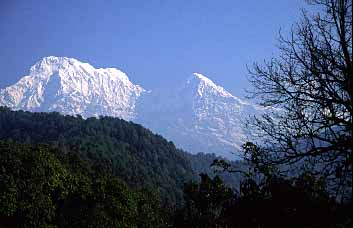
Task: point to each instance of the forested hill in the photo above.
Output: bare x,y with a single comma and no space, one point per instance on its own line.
123,149
43,187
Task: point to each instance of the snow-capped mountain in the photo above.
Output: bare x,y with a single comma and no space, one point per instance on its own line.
69,86
199,116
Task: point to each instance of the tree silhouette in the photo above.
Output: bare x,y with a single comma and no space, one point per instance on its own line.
310,88
270,202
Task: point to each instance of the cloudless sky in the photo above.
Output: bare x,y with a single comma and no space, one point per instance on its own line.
158,43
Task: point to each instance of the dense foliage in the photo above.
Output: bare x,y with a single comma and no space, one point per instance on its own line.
111,173
271,202
265,198
121,148
207,164
41,187
108,172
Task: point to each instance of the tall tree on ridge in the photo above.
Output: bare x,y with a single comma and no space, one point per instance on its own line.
311,83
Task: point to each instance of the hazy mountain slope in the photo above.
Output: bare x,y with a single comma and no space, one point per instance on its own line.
199,116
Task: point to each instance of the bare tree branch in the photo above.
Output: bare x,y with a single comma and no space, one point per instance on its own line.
311,83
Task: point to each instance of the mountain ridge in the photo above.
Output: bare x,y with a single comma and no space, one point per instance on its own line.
199,116
78,88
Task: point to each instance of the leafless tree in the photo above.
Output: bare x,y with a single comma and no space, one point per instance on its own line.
310,83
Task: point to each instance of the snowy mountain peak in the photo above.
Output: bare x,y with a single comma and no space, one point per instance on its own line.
203,78
197,78
204,86
72,87
52,63
198,116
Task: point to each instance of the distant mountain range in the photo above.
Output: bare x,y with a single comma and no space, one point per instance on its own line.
199,116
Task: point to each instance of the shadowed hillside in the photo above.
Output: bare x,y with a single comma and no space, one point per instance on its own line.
118,147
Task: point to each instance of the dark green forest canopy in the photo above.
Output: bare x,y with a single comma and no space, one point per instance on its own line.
123,149
64,171
43,187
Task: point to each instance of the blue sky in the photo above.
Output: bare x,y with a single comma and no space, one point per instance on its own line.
158,43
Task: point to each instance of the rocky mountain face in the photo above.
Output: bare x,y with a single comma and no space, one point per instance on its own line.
71,87
199,116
